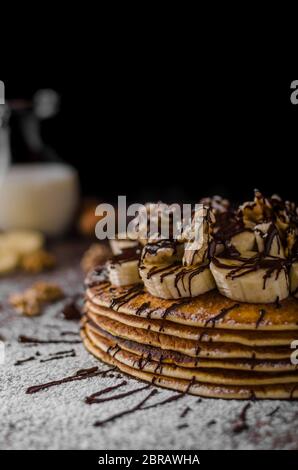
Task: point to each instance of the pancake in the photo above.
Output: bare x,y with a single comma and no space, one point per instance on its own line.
277,391
248,338
209,310
188,347
182,360
214,376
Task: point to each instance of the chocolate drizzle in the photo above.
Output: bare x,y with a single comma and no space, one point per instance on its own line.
130,294
81,374
269,238
94,398
169,269
23,361
241,424
221,315
60,355
278,305
262,314
173,307
172,398
246,266
142,308
31,340
135,408
274,411
153,248
185,412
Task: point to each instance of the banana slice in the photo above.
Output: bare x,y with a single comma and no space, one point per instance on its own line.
174,281
8,261
121,243
244,241
251,278
268,240
162,252
294,279
22,242
198,237
123,269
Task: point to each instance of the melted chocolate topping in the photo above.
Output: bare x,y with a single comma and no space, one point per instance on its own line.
221,315
30,340
130,293
137,407
81,374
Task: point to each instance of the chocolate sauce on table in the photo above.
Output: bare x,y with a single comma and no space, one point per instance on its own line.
23,361
93,398
182,426
71,311
140,405
137,407
172,398
273,412
31,340
60,355
241,424
69,333
211,423
185,412
79,375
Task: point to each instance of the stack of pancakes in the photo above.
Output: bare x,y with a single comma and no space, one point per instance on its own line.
210,345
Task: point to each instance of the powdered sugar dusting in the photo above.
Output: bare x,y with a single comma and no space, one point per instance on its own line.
59,418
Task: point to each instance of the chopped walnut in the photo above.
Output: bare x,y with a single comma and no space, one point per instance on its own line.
30,301
47,292
257,211
26,303
98,253
38,261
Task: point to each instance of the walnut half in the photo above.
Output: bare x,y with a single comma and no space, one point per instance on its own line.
30,301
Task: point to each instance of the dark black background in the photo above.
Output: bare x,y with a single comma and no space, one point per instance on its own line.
171,126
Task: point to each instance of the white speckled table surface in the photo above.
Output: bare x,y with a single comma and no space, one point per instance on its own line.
59,418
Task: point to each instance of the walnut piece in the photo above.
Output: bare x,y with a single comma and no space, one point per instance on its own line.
26,303
97,254
30,301
38,261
